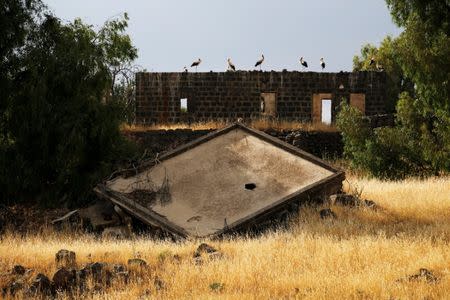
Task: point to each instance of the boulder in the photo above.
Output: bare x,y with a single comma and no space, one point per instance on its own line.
137,262
327,213
13,288
18,270
64,279
98,271
345,200
424,275
118,268
65,258
204,248
41,285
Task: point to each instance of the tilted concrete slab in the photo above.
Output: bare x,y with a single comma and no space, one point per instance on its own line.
228,180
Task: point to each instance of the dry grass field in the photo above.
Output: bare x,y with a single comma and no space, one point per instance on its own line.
363,254
259,124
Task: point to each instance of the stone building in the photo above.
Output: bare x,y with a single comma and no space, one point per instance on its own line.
300,96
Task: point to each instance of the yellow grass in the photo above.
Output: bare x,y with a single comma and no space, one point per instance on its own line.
260,124
364,254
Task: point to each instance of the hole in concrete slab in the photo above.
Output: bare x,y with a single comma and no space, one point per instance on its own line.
250,186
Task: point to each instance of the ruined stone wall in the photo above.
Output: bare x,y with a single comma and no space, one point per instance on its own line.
231,95
321,144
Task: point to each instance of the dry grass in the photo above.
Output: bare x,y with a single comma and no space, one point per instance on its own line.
360,255
260,124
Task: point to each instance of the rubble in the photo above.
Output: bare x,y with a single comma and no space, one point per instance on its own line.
231,180
327,213
65,258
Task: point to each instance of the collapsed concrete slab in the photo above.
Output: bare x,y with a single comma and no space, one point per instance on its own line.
231,179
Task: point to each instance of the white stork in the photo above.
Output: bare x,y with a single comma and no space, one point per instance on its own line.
303,63
231,66
259,62
322,63
196,63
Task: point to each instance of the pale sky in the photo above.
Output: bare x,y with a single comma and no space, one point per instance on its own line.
172,34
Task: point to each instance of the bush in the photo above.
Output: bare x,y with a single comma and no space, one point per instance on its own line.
395,152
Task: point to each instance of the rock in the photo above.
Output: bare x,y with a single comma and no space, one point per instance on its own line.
216,286
65,258
424,275
370,204
159,284
122,277
137,262
345,200
99,273
18,270
204,248
327,213
117,232
41,285
13,288
118,268
64,279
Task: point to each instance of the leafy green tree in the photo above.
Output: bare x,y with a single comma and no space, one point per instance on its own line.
420,140
386,59
60,134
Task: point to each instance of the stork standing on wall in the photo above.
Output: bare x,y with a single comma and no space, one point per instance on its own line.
322,63
303,63
259,62
231,65
196,63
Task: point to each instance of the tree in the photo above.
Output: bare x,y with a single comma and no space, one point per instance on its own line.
59,135
420,140
386,57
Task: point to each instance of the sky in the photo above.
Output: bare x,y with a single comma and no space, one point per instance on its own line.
172,34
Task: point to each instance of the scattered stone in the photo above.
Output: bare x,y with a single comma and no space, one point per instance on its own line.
99,273
176,258
345,200
216,286
64,279
370,204
122,277
159,284
327,213
424,275
118,268
137,262
117,232
65,258
204,248
13,288
146,295
198,260
41,285
18,270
